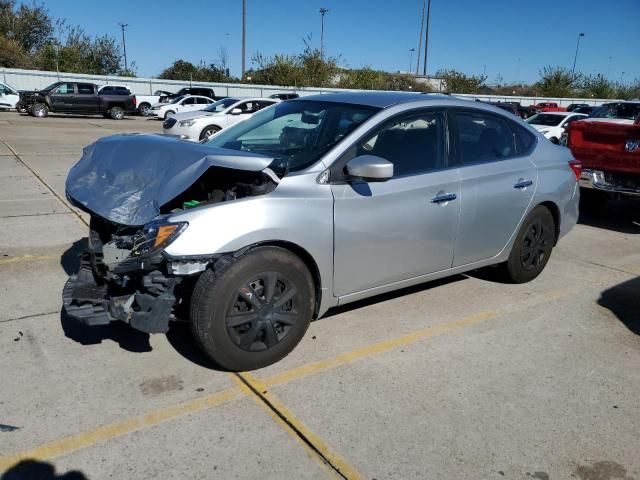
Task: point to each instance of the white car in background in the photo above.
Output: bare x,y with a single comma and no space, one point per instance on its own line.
183,103
9,96
201,125
552,124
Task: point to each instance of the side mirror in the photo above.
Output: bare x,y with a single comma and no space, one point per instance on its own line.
370,168
236,111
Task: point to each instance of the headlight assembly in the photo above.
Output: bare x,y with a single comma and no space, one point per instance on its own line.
186,123
157,235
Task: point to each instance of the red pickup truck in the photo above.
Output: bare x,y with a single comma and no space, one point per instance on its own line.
547,107
609,149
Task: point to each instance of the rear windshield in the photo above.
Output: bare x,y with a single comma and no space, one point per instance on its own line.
627,111
545,119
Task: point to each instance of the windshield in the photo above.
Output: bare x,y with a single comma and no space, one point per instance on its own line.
177,99
545,119
627,111
298,132
50,87
220,105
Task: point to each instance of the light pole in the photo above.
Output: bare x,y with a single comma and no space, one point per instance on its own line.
124,45
426,39
57,47
244,37
323,11
411,50
573,70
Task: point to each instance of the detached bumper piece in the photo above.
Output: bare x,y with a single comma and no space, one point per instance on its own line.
147,306
620,183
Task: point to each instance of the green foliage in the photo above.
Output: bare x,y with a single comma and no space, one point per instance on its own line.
458,82
29,25
558,82
597,86
183,70
12,55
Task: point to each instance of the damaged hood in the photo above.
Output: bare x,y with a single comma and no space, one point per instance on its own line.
127,178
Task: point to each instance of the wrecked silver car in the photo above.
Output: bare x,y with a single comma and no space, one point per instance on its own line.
309,204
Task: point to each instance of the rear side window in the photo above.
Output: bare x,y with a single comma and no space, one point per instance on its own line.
414,144
483,138
85,89
189,101
524,140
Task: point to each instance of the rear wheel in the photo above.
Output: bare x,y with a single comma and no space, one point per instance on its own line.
209,131
39,110
254,310
532,247
116,113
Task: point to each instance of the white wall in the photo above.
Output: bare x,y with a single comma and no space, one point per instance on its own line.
35,79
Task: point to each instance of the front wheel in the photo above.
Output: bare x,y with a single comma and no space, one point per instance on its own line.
169,112
252,311
209,131
143,109
116,113
39,110
532,247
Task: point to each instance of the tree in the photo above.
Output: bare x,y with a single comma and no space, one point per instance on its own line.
29,25
597,86
557,82
184,70
12,55
458,82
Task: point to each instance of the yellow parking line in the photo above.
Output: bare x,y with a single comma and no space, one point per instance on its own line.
107,432
348,357
277,410
28,258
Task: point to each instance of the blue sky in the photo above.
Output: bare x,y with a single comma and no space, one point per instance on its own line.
468,35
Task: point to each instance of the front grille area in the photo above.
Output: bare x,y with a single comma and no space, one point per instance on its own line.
169,122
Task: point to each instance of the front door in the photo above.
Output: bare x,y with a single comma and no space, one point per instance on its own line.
497,187
61,97
386,232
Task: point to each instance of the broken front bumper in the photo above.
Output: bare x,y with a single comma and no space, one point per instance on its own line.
145,303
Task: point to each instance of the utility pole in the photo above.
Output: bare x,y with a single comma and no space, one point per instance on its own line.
424,7
323,12
124,45
573,70
411,50
426,40
244,37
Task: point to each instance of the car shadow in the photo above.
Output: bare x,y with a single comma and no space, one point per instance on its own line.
37,470
617,215
623,300
70,259
181,339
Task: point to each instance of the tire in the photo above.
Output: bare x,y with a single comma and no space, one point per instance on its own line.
208,131
166,114
143,109
116,113
240,290
532,247
39,110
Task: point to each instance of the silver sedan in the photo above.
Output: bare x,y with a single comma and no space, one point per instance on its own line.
310,204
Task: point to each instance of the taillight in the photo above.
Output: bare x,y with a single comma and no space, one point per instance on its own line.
135,101
576,166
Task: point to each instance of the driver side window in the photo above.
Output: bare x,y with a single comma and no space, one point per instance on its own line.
414,143
65,88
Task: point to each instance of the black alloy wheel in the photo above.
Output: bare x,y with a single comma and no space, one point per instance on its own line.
537,244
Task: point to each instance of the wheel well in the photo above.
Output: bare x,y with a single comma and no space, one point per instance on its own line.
111,105
555,213
303,255
144,103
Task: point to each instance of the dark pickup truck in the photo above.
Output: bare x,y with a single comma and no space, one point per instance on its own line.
76,98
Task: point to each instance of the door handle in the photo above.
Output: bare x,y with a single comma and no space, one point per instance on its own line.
445,197
521,184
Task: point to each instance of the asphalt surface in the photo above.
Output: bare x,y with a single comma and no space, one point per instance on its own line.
464,378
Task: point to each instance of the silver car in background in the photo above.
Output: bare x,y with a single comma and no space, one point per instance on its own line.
310,204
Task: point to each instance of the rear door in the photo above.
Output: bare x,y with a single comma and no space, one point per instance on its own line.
85,100
497,182
189,104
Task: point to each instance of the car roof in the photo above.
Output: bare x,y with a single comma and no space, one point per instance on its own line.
371,99
560,114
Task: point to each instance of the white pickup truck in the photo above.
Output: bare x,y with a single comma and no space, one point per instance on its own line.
9,97
144,102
